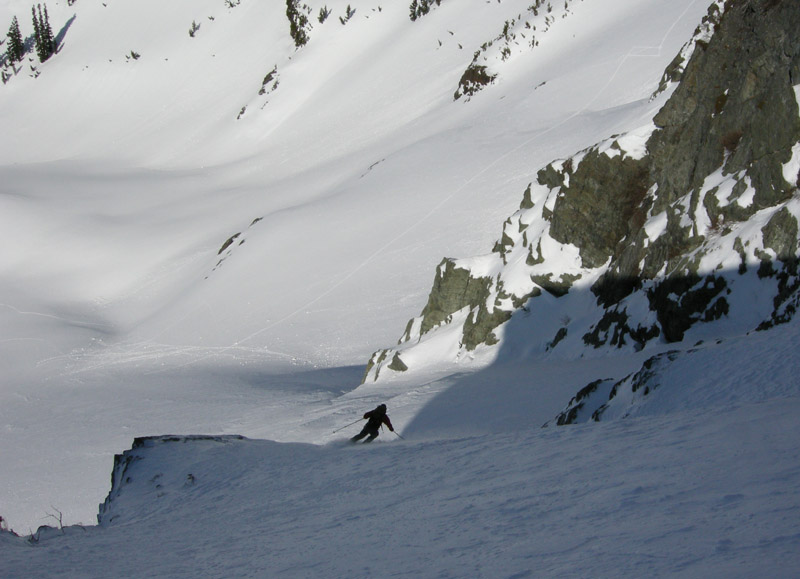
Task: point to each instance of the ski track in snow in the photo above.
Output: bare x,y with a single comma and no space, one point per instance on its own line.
72,322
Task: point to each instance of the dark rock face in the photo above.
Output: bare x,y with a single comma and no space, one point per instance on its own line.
453,289
584,404
617,329
681,301
658,228
594,400
735,106
595,211
639,384
734,109
780,235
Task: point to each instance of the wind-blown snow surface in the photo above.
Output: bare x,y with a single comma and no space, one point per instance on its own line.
122,178
708,486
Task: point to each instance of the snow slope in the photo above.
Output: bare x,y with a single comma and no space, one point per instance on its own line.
706,490
121,315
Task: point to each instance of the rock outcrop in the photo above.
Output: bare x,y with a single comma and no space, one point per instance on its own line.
665,227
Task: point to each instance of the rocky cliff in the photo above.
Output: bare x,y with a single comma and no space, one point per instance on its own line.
690,221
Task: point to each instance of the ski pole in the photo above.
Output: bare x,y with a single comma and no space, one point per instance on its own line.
399,435
346,425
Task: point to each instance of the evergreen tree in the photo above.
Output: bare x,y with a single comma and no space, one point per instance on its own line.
298,22
37,35
420,8
424,8
16,48
47,32
348,15
43,34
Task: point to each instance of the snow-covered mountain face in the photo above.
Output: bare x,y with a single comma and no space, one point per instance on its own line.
344,168
683,229
210,220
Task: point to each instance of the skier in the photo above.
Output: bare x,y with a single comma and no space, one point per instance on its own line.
376,418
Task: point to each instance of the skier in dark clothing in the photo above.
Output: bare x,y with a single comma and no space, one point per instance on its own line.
375,418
